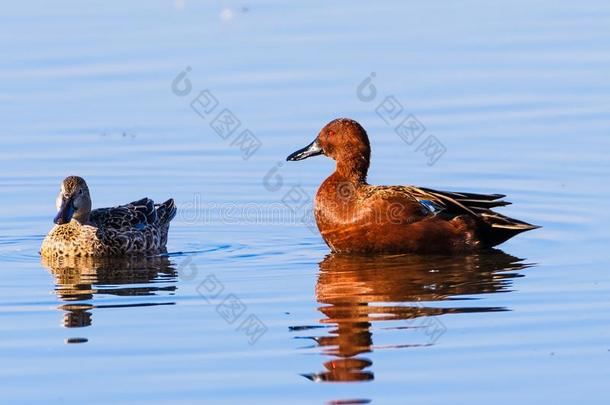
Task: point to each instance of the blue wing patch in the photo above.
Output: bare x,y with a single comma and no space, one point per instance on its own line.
430,206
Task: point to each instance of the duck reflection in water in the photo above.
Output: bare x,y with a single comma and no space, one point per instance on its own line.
356,292
78,280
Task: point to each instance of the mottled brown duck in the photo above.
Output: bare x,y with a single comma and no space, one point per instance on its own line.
140,227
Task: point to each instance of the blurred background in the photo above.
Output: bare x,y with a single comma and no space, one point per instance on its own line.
499,98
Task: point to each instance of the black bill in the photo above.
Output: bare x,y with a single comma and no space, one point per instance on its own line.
313,149
64,215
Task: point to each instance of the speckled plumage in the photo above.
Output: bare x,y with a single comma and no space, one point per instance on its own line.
140,227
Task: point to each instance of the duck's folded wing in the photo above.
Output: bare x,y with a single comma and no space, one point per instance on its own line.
133,216
461,203
477,205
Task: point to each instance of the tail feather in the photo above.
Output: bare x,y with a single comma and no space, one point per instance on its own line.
166,211
501,228
493,228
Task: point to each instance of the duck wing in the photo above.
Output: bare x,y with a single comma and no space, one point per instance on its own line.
495,228
136,215
460,203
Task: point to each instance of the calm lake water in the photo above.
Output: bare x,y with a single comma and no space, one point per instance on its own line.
248,307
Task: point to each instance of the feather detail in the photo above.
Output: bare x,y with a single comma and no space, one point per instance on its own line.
140,227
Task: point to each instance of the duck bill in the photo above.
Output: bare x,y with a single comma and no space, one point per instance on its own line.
313,149
64,215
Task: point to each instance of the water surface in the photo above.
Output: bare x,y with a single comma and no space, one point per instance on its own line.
518,96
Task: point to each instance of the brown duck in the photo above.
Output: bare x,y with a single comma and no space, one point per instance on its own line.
354,216
136,228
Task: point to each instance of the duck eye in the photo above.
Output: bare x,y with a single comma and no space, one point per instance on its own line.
331,133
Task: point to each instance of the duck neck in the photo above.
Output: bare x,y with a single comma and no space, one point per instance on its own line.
83,212
354,170
82,217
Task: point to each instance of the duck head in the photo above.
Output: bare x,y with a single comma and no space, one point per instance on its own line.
346,142
73,201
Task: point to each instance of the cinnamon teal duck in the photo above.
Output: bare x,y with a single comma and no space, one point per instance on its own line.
354,216
139,227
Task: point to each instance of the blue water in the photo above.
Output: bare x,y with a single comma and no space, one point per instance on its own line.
516,95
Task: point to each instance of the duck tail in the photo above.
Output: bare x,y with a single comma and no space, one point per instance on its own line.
166,212
493,228
499,228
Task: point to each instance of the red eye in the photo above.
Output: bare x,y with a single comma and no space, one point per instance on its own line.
331,133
